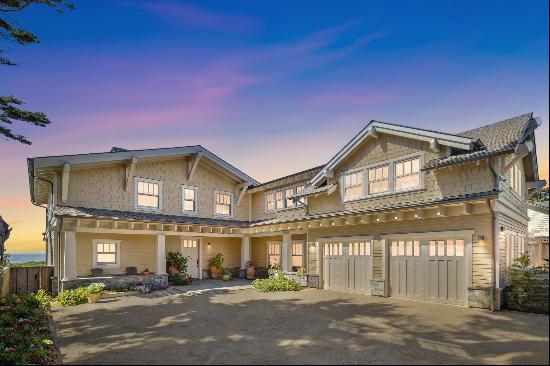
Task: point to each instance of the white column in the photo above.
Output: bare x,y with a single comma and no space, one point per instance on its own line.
320,263
286,253
245,251
69,256
161,254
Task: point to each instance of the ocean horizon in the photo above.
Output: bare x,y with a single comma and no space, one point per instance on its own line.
16,258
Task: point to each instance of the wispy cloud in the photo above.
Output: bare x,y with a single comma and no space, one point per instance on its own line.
187,15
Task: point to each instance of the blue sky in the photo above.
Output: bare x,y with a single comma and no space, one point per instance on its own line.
252,80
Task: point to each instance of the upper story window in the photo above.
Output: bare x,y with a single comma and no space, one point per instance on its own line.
516,179
189,199
223,204
281,199
148,194
353,185
379,179
407,174
392,176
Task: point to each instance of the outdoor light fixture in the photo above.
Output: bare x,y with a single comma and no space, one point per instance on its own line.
481,237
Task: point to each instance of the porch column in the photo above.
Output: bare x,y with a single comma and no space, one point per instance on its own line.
286,252
161,254
69,256
245,251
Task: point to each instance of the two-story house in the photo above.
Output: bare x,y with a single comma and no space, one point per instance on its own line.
398,211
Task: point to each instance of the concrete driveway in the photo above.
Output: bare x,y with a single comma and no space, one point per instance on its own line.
310,326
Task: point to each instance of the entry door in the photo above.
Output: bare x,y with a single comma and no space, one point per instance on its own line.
347,266
429,270
190,249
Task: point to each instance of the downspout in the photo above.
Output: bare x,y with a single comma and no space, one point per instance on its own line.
493,236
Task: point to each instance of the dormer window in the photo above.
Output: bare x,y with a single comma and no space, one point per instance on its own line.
189,199
353,185
281,199
379,179
148,194
407,174
516,179
223,204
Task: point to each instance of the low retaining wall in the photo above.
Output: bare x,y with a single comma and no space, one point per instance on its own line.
304,280
113,282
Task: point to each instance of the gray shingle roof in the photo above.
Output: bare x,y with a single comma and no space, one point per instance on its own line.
496,138
84,212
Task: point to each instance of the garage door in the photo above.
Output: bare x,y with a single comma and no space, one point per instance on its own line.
433,270
347,265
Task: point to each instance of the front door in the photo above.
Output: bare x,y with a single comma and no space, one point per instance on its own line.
190,249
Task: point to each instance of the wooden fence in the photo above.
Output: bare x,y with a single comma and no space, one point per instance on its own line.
26,280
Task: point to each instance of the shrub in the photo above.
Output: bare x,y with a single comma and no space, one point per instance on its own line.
276,284
525,292
72,297
177,260
40,298
24,333
217,261
96,288
177,279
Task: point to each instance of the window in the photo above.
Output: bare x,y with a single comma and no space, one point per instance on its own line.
282,198
409,248
106,253
379,179
446,248
274,254
353,185
359,249
189,199
270,201
189,243
516,179
223,204
148,194
407,174
297,255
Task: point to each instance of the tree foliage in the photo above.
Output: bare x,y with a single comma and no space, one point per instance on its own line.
10,32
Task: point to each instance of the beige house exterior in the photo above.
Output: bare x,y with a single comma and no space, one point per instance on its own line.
398,211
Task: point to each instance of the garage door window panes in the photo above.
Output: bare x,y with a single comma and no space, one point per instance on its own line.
359,249
334,249
409,248
446,248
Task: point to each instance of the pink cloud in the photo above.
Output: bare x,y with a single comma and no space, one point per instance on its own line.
193,16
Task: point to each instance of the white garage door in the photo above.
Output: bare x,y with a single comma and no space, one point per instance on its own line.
433,270
347,265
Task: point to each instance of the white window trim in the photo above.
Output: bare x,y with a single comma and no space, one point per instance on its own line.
232,208
95,242
518,168
147,180
284,188
196,189
391,176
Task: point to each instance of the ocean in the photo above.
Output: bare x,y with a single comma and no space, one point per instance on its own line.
26,257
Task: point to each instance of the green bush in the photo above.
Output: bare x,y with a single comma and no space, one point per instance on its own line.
275,284
525,292
96,288
41,298
177,260
24,333
217,261
177,279
73,297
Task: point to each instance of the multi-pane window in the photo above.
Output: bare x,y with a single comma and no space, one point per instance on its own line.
282,198
223,204
189,199
407,174
359,249
106,252
297,255
274,254
409,248
334,249
148,194
446,248
353,185
516,179
190,243
379,179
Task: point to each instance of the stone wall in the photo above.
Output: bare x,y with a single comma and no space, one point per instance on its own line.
112,282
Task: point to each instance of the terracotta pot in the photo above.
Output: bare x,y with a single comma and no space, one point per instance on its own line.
146,273
250,273
215,273
93,298
173,270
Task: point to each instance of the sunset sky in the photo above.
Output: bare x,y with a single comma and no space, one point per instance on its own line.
282,82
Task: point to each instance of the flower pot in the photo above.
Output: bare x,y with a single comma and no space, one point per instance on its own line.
215,273
92,298
188,280
173,270
250,273
226,277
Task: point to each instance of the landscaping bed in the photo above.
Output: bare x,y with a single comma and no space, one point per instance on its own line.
25,333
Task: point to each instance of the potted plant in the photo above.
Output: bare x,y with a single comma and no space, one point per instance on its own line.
250,270
226,276
146,272
216,266
188,280
176,262
94,292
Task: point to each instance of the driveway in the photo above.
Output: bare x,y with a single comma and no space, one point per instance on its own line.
310,326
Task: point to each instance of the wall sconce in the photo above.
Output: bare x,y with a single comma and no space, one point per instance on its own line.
481,237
